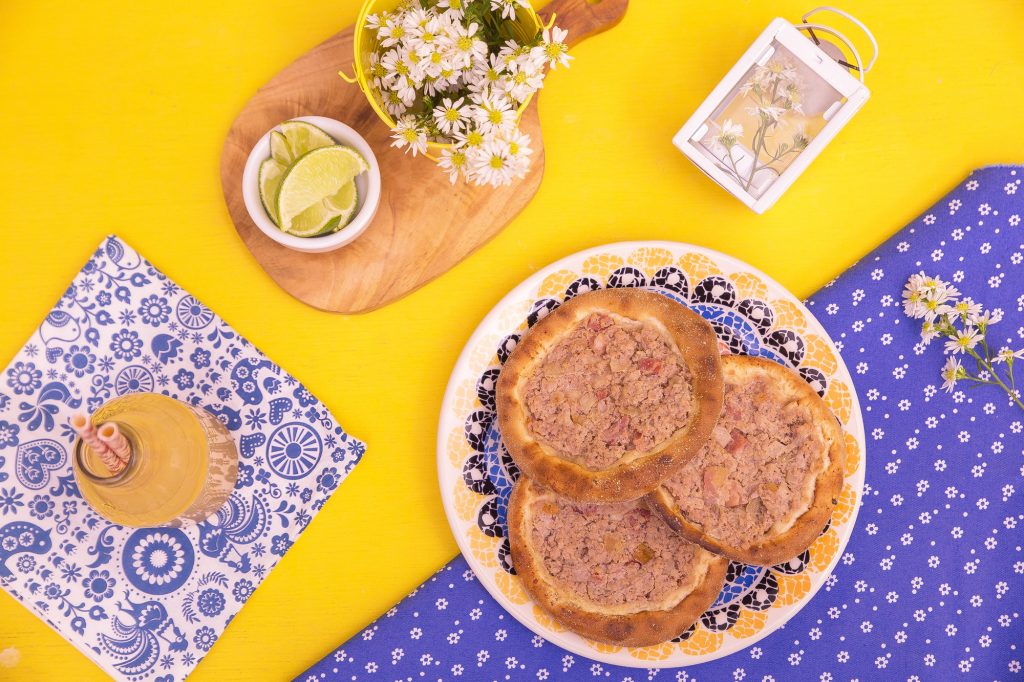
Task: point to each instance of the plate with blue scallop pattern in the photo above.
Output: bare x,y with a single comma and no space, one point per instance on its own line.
752,315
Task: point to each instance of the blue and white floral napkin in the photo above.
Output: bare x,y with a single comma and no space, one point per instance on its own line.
931,586
147,604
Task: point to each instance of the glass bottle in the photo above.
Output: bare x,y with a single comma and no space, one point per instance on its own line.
183,465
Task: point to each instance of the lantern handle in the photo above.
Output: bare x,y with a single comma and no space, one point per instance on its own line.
811,28
855,21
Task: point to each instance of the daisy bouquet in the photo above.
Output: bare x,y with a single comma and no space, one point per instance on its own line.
458,73
963,324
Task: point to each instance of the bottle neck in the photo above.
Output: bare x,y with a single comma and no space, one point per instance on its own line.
92,468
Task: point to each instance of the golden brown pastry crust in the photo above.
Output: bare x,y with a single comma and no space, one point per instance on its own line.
641,628
642,472
775,547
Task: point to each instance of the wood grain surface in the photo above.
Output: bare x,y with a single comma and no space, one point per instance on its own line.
424,225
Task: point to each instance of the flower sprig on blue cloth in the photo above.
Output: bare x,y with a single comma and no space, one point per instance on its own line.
963,323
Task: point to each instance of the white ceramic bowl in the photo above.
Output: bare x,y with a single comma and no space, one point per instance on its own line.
367,183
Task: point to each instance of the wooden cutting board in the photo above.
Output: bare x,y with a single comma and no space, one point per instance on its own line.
424,226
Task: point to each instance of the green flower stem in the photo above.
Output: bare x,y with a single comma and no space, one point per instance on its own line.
988,366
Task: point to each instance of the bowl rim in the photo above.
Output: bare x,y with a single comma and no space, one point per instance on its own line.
342,134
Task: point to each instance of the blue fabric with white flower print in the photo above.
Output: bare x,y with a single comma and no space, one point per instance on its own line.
147,604
931,586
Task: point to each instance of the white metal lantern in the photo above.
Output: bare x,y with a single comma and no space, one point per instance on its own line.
776,109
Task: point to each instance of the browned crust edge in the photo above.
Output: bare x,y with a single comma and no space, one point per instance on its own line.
624,481
644,628
774,549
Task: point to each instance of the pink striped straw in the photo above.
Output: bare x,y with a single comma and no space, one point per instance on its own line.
87,432
115,440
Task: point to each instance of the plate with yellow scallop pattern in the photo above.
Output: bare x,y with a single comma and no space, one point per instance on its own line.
752,315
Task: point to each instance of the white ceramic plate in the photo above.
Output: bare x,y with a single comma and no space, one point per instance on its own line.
752,315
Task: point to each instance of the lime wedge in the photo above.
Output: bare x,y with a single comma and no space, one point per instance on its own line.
345,201
279,149
330,215
315,176
304,137
269,179
314,221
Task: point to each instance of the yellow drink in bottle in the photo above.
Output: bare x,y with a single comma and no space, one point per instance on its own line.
183,465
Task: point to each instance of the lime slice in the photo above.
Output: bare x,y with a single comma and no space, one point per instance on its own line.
330,215
345,201
269,179
315,176
304,137
279,149
314,221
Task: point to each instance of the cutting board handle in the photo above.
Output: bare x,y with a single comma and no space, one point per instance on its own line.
584,18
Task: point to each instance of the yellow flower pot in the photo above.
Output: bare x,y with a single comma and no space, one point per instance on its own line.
525,27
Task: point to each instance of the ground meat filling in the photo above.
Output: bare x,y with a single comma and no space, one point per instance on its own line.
761,458
614,554
610,386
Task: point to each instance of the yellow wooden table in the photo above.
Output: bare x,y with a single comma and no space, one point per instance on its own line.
112,119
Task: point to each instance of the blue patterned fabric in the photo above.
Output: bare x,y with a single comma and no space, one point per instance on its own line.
147,604
931,586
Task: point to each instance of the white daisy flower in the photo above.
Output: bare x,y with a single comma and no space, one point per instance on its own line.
964,341
554,48
951,373
967,309
453,160
492,165
391,32
454,9
929,330
469,138
487,74
427,37
374,21
507,7
518,144
730,135
523,78
451,116
415,18
393,104
396,64
509,51
493,112
466,49
1007,355
408,136
986,318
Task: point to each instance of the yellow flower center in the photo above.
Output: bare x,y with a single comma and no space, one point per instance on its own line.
474,139
428,37
519,78
494,116
458,159
497,163
398,32
410,135
451,115
401,69
435,58
464,43
513,148
553,50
